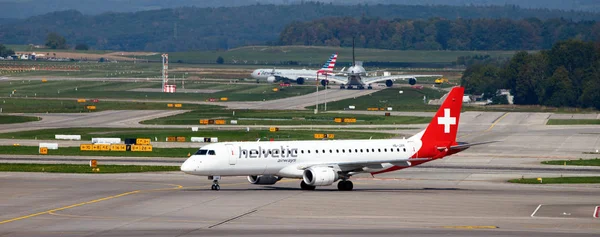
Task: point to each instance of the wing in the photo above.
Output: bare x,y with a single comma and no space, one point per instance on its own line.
370,80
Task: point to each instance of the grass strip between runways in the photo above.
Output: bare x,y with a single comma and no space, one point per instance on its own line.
558,180
580,162
71,168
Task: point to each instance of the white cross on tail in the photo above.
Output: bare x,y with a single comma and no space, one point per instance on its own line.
446,120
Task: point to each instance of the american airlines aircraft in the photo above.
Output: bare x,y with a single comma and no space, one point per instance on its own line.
323,162
298,75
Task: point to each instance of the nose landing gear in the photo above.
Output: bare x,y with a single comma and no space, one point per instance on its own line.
215,186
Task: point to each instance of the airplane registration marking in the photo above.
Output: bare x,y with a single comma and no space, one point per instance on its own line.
446,120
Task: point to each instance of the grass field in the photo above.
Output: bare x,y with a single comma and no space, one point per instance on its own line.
263,117
558,180
74,151
79,169
11,105
120,90
409,100
580,162
8,119
573,122
162,134
318,55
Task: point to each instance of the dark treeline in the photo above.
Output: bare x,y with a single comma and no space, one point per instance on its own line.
439,34
568,74
192,28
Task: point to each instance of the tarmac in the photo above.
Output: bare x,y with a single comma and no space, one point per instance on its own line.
462,195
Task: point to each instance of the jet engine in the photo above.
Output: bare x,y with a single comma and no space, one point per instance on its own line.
300,80
319,176
271,79
389,83
263,179
324,82
412,81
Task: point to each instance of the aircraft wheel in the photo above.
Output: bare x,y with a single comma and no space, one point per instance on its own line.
305,186
215,187
342,87
345,185
370,87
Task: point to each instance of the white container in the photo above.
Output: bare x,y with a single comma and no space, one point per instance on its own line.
50,146
106,140
67,137
194,129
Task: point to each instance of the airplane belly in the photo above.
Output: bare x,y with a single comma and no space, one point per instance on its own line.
354,80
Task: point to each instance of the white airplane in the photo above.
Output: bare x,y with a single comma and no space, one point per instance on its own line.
356,76
298,75
323,162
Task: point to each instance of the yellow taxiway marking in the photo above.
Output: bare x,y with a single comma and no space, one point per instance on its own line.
88,202
471,227
496,122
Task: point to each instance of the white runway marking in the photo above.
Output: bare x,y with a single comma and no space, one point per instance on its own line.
538,208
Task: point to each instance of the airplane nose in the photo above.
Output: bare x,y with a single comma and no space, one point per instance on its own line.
187,166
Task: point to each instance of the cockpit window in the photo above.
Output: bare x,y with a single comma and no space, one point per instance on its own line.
202,152
211,152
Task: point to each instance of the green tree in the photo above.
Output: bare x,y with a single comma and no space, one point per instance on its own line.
4,52
558,89
481,79
55,41
220,60
82,47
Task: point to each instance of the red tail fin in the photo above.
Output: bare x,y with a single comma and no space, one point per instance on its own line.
440,134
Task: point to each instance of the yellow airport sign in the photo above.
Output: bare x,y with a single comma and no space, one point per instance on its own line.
101,147
203,121
118,147
275,89
273,129
86,147
220,121
177,105
337,120
170,105
142,141
43,150
171,139
224,98
319,135
81,100
91,107
180,139
349,120
330,135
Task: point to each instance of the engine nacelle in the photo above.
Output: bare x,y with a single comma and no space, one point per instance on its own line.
324,82
412,81
263,179
300,80
319,176
389,83
271,79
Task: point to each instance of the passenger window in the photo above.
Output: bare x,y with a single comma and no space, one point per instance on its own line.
356,150
367,150
361,150
398,149
323,150
330,151
201,152
385,149
309,151
337,151
349,150
404,149
379,149
211,152
302,151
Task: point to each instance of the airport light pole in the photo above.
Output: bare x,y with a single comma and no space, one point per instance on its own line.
317,105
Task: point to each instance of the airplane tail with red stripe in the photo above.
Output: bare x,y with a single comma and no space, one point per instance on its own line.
440,135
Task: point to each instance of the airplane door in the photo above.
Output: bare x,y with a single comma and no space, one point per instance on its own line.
230,152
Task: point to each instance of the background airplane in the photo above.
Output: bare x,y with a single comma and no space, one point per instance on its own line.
321,163
356,76
297,75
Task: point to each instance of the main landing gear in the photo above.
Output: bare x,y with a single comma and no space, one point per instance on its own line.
215,186
305,186
345,185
